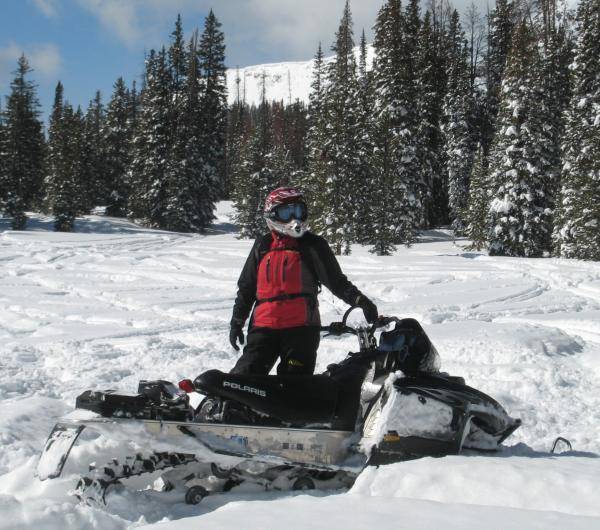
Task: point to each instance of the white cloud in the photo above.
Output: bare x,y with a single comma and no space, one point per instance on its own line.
291,27
278,29
119,16
44,58
47,7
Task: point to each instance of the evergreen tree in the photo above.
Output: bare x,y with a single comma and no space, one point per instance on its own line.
314,179
94,148
54,147
295,125
337,200
254,177
398,173
500,29
151,146
211,52
458,109
365,128
578,222
23,148
476,211
177,60
237,134
431,82
3,161
519,217
191,200
115,137
65,182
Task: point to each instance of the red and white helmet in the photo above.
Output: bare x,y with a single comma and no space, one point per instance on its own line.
286,212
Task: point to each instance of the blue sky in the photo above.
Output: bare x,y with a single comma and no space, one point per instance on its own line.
87,44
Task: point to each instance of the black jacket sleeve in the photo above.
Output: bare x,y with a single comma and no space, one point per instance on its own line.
246,294
328,270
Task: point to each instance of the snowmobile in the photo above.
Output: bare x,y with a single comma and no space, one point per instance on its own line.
385,403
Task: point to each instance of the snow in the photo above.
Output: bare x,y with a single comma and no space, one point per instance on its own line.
286,81
113,303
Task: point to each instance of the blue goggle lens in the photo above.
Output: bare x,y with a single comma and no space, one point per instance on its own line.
287,212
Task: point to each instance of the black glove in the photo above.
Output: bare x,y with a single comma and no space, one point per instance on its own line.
368,307
236,334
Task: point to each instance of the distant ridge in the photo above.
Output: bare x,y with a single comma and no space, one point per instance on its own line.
285,81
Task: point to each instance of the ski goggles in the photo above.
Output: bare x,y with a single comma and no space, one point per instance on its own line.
293,210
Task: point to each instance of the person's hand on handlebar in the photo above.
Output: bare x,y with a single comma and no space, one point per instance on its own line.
369,308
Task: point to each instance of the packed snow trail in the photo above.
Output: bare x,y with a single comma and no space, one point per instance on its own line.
114,303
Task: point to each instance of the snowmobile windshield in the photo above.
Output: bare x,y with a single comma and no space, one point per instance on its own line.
415,352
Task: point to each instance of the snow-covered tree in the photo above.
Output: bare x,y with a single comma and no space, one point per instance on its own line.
398,172
458,110
23,148
475,214
337,199
254,180
578,223
94,150
115,136
190,202
500,29
313,181
152,144
520,214
431,82
365,126
3,161
66,195
211,53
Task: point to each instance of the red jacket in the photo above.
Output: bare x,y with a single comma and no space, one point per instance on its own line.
281,280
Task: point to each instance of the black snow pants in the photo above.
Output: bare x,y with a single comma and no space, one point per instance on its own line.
296,348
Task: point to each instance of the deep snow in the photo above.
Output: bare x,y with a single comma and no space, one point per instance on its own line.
114,303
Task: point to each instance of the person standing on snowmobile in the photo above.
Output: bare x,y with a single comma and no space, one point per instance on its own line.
280,283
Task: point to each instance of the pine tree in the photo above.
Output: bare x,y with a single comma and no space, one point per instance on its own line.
23,148
190,205
458,110
579,214
237,134
337,200
94,148
3,161
398,172
476,212
500,29
254,178
65,183
151,146
431,81
115,136
211,53
314,179
519,217
54,147
365,127
177,59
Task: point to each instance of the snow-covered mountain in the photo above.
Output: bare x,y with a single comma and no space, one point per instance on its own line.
285,82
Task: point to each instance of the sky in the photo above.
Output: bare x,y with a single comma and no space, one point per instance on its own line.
87,44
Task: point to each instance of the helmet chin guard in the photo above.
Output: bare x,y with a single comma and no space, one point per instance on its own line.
293,228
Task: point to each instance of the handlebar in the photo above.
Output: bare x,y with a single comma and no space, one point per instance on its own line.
341,328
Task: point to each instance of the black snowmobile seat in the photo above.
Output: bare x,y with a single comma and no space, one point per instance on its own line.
295,399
